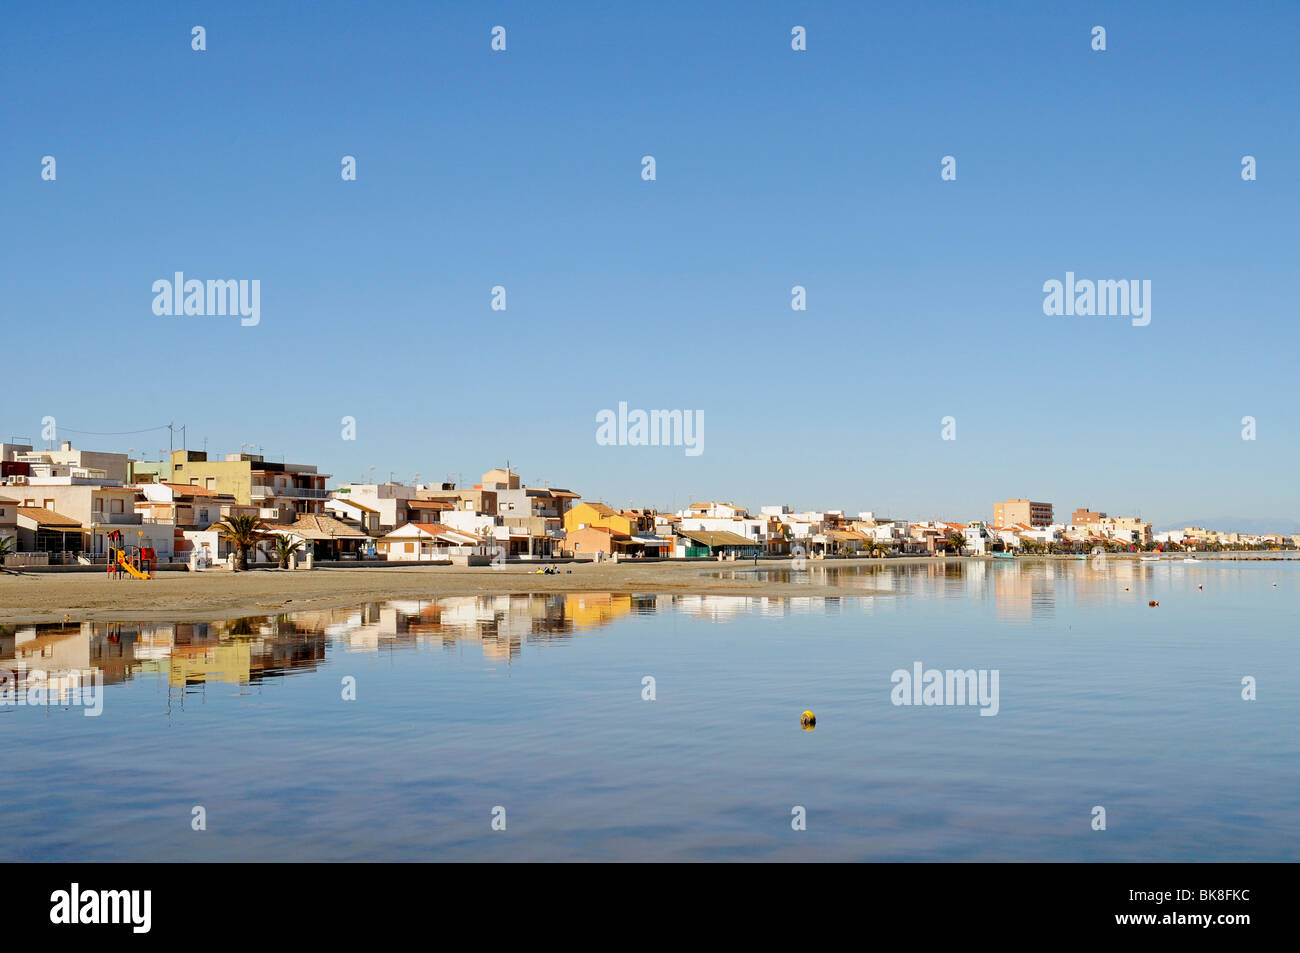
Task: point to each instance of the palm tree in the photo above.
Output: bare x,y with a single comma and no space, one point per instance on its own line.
242,533
6,547
285,547
957,542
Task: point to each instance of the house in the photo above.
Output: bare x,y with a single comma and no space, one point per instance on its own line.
185,506
116,466
545,502
481,498
389,500
631,532
591,540
928,536
354,512
725,511
845,542
980,540
42,530
627,522
539,511
1008,536
9,521
753,530
325,536
779,538
690,543
430,511
97,504
416,542
608,541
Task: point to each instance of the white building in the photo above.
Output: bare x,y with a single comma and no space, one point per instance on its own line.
387,499
751,529
417,542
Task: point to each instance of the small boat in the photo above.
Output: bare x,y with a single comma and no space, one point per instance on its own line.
1148,559
1191,559
1003,555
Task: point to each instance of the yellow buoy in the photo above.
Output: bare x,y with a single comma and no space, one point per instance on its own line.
808,720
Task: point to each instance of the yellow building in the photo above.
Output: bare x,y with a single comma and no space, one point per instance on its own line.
627,522
290,489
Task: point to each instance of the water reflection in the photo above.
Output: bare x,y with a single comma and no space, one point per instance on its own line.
1021,590
249,651
461,704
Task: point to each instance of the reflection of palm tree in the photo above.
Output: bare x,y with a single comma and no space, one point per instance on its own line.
241,627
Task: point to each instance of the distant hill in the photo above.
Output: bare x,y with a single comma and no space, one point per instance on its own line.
1239,524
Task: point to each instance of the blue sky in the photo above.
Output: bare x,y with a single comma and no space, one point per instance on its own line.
775,168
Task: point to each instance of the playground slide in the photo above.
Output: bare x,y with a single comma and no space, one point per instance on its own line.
122,561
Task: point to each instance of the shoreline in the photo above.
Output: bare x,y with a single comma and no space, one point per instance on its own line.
214,595
35,597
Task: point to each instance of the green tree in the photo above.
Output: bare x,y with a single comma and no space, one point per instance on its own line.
242,533
285,547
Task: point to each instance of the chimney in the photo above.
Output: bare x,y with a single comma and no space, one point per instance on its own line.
67,445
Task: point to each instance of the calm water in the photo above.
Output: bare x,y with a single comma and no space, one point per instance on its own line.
534,704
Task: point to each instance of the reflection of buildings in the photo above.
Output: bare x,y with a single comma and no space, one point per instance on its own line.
1023,593
596,608
252,650
241,651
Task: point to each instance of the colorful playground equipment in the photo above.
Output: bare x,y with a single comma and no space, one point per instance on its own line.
137,561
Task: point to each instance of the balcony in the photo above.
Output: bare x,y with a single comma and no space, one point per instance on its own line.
115,519
265,492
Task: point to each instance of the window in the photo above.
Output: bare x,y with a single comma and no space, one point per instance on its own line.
410,547
210,483
116,506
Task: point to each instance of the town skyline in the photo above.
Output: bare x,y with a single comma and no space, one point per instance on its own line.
196,489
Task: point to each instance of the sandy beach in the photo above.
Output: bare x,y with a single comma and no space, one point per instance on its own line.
193,597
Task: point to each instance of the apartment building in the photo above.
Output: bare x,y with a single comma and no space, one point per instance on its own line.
1022,511
282,491
192,507
389,500
116,466
85,498
715,511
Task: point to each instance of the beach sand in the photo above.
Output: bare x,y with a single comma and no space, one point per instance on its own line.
194,597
